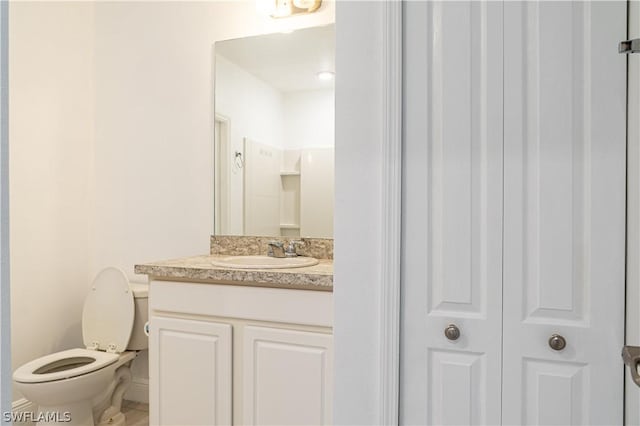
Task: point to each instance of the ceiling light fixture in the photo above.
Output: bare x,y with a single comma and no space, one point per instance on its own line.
306,4
285,8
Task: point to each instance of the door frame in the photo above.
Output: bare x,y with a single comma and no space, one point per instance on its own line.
367,211
392,211
632,314
221,204
6,382
373,325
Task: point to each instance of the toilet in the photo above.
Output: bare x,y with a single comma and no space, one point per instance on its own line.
85,386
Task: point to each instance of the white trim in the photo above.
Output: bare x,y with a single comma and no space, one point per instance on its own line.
5,313
362,127
632,337
223,149
138,391
23,405
391,214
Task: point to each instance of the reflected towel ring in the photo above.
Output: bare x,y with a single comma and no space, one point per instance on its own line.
238,160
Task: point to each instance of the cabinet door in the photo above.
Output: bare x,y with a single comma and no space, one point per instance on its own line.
189,372
564,232
287,377
452,213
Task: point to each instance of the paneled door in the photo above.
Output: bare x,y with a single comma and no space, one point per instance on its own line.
564,220
513,213
452,214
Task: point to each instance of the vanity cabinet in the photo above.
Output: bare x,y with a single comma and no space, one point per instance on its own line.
230,354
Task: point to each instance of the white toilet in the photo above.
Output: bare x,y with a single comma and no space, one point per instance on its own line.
85,386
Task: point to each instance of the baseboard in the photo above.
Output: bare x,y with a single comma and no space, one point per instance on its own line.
23,405
138,391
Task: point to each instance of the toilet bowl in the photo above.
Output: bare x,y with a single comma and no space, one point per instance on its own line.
84,386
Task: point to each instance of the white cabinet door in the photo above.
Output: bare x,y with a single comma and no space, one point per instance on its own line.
190,372
287,377
452,213
564,221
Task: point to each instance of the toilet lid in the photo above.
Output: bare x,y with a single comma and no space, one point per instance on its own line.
108,314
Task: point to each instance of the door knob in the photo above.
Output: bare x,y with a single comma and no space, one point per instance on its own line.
452,332
629,46
557,342
631,357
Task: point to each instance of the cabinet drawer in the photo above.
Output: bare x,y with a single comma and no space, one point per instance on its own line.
304,307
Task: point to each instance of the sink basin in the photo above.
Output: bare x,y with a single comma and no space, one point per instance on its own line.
264,262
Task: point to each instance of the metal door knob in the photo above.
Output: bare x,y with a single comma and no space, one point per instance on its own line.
631,357
557,342
452,332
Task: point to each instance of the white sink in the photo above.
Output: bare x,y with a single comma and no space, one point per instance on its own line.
264,262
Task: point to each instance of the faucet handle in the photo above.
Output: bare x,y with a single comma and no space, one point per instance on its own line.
291,248
275,244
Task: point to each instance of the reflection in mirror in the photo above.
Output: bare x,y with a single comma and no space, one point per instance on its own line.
274,134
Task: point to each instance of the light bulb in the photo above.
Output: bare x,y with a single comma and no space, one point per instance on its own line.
303,4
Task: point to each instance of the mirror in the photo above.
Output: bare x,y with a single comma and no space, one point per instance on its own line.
274,134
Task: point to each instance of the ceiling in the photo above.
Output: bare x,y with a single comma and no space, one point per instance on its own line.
287,61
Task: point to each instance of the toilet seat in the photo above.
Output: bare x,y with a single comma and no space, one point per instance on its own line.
63,365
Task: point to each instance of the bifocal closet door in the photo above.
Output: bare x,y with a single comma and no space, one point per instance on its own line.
564,221
452,213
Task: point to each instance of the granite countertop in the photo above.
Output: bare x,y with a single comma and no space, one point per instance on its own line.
200,269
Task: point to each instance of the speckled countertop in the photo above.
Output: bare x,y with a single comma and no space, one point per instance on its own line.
200,269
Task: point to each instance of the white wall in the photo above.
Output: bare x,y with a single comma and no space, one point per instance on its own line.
51,141
309,119
255,110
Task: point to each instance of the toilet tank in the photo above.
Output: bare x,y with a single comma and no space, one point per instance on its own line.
139,339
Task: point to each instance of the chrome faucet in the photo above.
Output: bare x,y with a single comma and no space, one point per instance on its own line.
291,248
275,249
